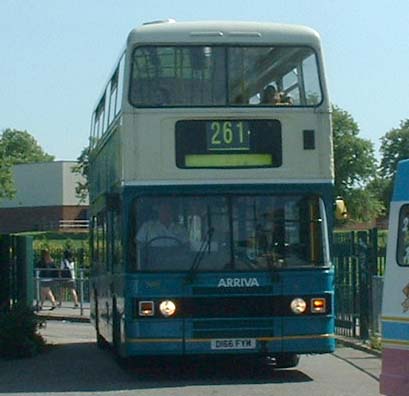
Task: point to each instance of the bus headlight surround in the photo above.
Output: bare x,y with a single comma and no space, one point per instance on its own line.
298,306
167,308
318,305
146,308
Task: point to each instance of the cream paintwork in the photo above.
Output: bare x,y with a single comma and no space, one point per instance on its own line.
146,136
148,157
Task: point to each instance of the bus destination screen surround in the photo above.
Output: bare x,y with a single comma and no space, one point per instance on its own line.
228,144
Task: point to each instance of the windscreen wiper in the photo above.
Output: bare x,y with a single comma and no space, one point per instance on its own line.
190,276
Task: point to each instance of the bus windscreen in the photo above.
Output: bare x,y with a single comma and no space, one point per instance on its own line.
247,232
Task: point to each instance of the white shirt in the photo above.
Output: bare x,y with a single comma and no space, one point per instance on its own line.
155,229
67,264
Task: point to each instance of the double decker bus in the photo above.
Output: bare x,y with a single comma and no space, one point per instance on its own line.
394,379
226,127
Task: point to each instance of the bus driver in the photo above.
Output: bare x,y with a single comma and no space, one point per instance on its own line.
163,231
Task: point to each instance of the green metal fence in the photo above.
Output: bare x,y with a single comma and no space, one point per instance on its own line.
358,256
16,268
359,259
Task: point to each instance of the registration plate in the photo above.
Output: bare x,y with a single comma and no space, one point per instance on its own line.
233,343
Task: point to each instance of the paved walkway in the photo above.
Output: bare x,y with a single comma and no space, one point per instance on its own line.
67,311
358,344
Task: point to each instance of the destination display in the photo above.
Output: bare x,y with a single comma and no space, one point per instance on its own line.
228,144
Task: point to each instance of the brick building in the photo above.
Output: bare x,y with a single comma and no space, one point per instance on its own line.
45,199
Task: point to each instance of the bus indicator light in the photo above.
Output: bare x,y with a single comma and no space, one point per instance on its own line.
318,305
146,308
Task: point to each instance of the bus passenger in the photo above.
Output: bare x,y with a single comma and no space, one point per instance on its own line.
273,97
270,95
284,99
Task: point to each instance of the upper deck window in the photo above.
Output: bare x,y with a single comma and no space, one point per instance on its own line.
164,76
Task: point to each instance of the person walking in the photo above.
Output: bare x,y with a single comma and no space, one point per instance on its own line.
68,275
48,272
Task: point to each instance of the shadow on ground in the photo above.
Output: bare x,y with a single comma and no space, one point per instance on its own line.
81,367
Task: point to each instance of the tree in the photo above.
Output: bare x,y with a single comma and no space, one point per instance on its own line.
17,147
355,167
21,148
394,147
6,178
82,169
355,162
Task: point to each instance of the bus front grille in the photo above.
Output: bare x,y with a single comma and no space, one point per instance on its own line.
232,328
233,307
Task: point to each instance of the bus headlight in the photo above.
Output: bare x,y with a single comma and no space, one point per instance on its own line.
167,308
298,306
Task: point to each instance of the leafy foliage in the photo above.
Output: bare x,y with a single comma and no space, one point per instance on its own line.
363,205
355,162
394,147
19,335
56,243
6,178
17,147
382,189
355,167
21,148
82,169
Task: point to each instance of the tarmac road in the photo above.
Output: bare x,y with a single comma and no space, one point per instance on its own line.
74,365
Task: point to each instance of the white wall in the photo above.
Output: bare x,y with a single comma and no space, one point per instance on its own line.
70,180
43,184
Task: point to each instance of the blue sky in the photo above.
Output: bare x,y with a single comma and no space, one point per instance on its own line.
57,54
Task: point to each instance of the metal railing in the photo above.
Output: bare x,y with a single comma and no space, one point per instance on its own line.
58,282
359,259
62,224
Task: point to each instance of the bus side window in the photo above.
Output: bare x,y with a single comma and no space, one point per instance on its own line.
403,236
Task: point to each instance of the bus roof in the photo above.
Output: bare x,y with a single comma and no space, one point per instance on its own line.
401,189
223,32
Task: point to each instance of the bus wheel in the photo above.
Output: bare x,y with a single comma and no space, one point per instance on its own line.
286,360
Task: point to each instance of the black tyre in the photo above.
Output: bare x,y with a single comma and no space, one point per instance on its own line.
286,360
